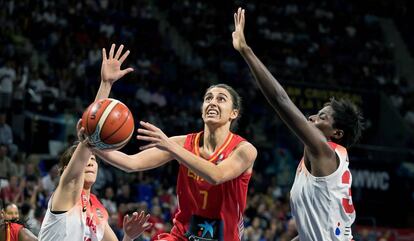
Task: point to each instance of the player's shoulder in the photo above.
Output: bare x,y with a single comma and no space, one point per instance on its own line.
246,148
243,143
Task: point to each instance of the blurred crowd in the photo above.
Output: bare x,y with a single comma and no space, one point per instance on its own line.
49,72
333,43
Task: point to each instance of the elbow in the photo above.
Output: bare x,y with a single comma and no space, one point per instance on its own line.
132,169
216,179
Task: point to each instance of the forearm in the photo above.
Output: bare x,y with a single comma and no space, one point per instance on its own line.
206,170
104,90
268,84
76,165
117,159
280,101
144,160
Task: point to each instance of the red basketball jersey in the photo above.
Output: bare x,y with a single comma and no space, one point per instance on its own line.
206,211
12,231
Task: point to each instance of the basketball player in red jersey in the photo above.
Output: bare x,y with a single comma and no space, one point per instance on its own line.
73,212
11,228
321,200
215,168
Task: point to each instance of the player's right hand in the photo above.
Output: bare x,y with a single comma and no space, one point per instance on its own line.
239,41
111,65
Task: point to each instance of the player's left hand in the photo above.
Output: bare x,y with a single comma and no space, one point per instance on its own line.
111,65
154,135
136,224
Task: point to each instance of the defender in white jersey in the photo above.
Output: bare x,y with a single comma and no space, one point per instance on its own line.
324,202
74,214
320,197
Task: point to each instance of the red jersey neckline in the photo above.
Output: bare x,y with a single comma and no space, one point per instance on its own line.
218,150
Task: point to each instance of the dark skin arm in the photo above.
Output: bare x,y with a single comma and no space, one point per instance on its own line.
26,235
317,150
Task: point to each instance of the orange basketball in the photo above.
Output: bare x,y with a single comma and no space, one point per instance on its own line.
108,123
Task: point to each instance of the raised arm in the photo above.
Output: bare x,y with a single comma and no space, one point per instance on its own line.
240,161
70,184
313,139
111,70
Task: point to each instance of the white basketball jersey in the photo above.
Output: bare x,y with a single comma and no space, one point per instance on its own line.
73,225
322,206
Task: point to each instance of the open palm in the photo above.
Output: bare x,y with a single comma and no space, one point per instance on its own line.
239,42
136,224
111,65
155,135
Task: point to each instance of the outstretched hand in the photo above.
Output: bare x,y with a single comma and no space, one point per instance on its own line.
239,41
136,224
111,65
154,135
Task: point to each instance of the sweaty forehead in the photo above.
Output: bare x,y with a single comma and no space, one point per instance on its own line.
217,91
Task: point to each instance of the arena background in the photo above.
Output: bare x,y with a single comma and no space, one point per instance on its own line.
50,54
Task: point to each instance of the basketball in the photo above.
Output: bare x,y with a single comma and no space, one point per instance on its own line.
108,123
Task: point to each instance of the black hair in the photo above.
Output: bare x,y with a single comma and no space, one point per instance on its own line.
66,156
348,118
236,99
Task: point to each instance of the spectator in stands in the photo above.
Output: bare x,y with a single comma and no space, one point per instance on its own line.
50,181
28,215
11,212
254,232
125,196
108,200
14,191
6,135
7,79
11,228
7,167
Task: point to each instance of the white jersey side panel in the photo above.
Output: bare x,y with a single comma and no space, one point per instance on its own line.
69,226
322,206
